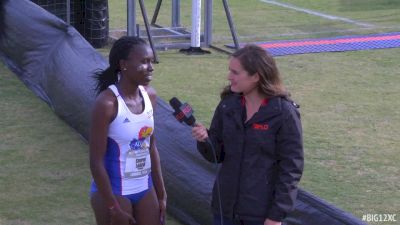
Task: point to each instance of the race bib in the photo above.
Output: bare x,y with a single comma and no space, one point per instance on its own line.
137,164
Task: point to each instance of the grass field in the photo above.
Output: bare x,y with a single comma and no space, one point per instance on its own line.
349,105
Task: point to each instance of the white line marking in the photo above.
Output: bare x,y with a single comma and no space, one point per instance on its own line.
318,13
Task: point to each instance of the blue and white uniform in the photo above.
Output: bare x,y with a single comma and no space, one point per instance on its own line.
127,158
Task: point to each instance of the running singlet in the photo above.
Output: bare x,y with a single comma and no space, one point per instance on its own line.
127,158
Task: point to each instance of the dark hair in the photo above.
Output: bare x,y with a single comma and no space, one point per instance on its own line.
255,59
120,50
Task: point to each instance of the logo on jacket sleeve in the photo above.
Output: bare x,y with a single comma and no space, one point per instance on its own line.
260,126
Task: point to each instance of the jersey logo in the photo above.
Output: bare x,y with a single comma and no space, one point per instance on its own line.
135,144
258,126
140,144
149,114
145,132
126,120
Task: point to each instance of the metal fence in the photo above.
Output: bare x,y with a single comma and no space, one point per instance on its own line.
89,17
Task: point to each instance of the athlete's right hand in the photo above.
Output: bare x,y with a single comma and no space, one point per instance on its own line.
199,132
120,217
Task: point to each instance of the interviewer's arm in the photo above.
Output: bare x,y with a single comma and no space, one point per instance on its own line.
290,165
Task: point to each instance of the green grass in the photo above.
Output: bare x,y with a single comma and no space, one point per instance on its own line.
350,120
349,105
44,176
259,21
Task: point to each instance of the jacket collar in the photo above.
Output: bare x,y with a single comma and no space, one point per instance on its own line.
234,109
274,107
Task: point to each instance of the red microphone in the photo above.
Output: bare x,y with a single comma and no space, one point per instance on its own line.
182,112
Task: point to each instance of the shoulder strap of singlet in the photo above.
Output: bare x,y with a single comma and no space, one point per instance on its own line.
114,89
145,95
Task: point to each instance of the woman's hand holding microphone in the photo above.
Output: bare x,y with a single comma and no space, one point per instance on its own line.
199,132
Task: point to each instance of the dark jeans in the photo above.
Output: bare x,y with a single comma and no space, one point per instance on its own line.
217,221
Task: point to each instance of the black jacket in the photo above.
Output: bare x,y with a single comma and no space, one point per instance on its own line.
262,159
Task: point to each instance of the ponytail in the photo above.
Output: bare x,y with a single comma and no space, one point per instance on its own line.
105,78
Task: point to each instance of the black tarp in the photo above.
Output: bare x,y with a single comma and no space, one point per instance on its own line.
57,63
52,59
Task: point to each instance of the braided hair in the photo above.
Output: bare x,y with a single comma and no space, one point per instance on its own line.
120,50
